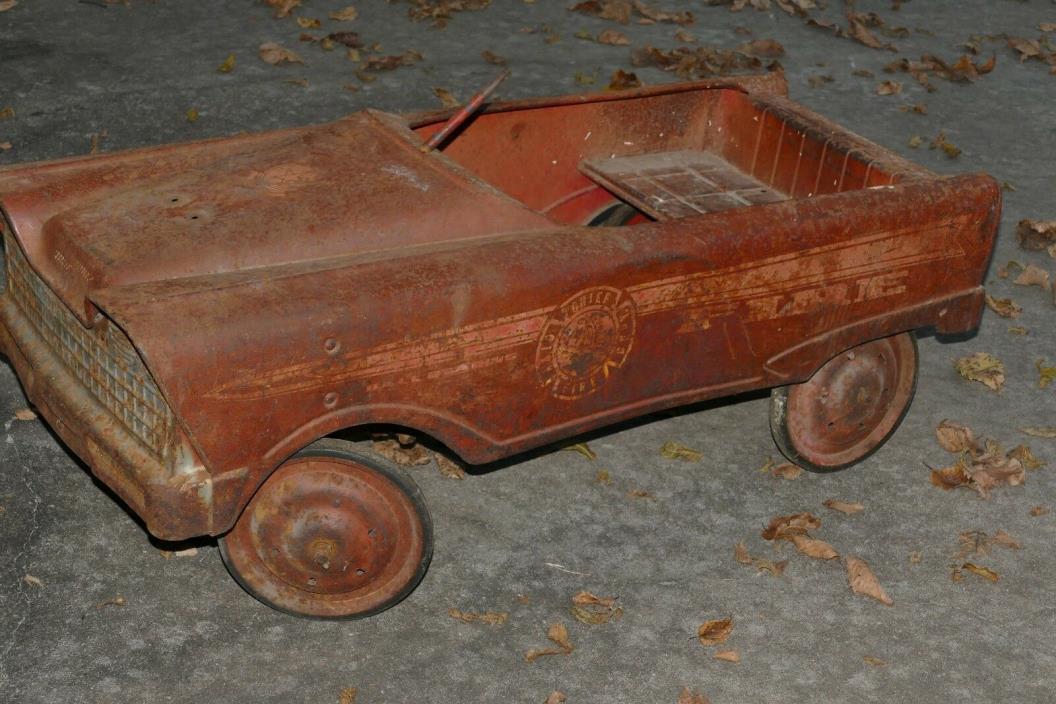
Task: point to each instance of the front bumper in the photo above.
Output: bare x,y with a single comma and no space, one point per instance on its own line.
174,504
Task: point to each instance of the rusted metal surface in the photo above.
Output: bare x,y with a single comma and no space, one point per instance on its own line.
330,534
317,279
849,407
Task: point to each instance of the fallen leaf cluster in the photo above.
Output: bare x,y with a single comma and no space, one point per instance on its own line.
405,450
1040,49
623,10
978,544
980,466
796,529
1036,235
705,62
394,61
964,70
440,11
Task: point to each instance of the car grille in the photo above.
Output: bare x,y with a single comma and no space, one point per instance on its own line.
101,358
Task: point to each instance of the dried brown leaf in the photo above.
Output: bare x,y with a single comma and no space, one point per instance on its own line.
583,449
493,58
348,39
4,146
346,15
33,581
25,414
728,655
613,37
715,631
864,582
492,618
1027,48
889,88
446,99
1038,431
283,7
995,472
916,108
1033,276
7,5
873,661
7,113
676,451
272,53
847,507
1003,539
782,527
640,494
555,697
786,470
389,63
308,22
1005,307
984,572
762,48
915,141
1025,457
585,598
615,10
812,547
449,467
392,450
1039,511
687,696
984,368
955,438
948,148
858,31
740,553
228,64
603,477
1036,234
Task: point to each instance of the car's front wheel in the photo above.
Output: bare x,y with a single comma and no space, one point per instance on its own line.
849,408
331,534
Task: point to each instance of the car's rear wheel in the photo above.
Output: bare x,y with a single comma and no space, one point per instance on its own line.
331,534
849,408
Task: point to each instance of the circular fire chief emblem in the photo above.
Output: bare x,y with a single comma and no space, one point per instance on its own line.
584,340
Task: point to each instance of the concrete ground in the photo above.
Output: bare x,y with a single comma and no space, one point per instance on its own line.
187,633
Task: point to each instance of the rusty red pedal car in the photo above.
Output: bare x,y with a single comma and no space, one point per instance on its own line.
198,321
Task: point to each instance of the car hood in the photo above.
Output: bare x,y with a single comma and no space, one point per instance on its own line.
357,185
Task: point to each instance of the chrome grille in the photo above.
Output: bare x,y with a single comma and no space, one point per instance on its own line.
101,358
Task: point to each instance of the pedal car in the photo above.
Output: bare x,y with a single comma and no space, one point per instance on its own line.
198,321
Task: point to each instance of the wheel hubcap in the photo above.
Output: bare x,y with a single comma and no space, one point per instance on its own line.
853,402
327,536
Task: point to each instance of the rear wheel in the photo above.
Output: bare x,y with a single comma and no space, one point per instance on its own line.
849,408
331,534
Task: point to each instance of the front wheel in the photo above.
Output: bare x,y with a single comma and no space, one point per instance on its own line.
849,408
331,534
